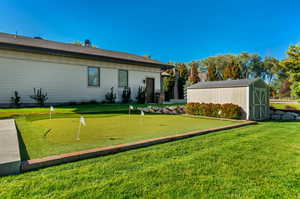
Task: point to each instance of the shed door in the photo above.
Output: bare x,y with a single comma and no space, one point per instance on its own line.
260,103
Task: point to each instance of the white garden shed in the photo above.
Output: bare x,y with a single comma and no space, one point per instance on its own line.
252,95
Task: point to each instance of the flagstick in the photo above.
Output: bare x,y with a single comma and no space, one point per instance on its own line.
129,111
78,133
50,115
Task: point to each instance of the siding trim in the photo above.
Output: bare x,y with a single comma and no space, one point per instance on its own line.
72,61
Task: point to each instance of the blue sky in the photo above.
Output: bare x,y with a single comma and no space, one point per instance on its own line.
168,30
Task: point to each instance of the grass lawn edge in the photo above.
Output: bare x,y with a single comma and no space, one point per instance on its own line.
34,164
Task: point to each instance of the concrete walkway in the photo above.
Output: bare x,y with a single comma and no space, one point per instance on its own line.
10,159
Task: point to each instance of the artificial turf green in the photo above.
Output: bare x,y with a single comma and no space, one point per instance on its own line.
258,161
40,136
85,108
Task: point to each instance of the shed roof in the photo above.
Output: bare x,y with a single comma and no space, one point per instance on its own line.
16,42
224,83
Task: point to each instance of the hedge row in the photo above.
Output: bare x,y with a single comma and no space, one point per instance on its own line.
230,111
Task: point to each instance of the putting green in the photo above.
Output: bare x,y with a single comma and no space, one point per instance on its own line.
56,136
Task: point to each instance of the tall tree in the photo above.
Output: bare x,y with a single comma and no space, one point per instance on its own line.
232,71
272,69
183,76
194,74
292,66
212,73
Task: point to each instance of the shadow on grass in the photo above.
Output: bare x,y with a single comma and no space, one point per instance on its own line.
22,147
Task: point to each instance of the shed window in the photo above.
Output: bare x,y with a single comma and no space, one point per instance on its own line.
93,76
123,78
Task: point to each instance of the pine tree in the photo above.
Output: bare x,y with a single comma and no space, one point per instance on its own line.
212,73
194,75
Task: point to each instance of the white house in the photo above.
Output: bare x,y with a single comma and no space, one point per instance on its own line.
71,73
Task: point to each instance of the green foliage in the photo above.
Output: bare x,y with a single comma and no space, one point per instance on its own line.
79,43
16,99
292,66
230,111
246,66
257,161
182,79
126,95
141,95
212,73
168,82
194,75
295,89
39,97
232,71
110,97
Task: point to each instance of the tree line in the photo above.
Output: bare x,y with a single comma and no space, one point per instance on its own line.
283,76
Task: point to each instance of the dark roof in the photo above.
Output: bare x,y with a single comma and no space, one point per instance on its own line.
224,83
38,45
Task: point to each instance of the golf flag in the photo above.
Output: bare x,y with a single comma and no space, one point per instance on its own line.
131,107
142,113
82,121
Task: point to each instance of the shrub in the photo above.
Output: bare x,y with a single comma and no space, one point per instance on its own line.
16,99
141,95
193,108
39,97
126,95
229,111
110,96
93,102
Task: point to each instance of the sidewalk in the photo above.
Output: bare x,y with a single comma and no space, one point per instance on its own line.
10,160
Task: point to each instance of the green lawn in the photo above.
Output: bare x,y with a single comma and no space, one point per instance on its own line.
42,137
258,161
284,106
88,108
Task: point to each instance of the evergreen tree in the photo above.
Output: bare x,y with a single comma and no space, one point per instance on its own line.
194,75
292,66
212,73
183,76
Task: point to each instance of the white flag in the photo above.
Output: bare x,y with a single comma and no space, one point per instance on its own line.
51,108
142,113
82,121
131,107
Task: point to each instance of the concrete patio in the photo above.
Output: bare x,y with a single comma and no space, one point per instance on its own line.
10,159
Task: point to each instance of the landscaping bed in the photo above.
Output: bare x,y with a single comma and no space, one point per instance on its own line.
42,137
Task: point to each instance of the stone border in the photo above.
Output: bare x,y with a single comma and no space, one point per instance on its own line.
35,164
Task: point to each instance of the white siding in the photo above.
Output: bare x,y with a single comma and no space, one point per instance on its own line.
64,79
237,95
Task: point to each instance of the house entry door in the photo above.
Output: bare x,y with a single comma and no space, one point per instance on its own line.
150,90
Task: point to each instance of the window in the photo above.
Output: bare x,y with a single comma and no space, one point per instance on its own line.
123,78
93,76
